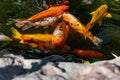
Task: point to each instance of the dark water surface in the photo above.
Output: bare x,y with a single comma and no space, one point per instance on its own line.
109,32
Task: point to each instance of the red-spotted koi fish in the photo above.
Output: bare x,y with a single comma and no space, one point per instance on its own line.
80,28
88,53
60,34
98,15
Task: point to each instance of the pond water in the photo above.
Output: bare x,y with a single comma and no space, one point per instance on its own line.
109,32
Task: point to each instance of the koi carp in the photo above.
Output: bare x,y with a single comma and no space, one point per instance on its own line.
51,12
80,28
25,37
98,15
88,53
58,37
60,34
45,22
43,41
34,43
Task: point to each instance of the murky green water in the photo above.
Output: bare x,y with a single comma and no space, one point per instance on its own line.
109,32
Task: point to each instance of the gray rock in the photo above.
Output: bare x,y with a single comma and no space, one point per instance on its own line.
15,67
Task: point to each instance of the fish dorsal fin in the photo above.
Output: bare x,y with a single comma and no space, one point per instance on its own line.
92,13
109,15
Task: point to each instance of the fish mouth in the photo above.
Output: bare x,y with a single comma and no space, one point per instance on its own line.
105,6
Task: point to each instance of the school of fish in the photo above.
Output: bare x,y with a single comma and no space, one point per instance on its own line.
50,17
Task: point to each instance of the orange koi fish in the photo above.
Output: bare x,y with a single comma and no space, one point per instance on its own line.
79,27
98,15
88,53
60,34
51,12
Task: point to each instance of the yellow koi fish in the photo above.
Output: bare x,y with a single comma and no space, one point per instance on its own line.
36,37
98,15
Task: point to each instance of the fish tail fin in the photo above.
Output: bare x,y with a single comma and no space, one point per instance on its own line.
19,23
88,26
109,15
97,41
16,33
24,24
27,27
4,38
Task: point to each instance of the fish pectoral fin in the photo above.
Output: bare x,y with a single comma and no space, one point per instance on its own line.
85,37
109,15
88,26
21,41
92,13
97,41
26,27
99,22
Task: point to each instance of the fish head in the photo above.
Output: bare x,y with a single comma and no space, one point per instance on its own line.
103,9
65,7
105,6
